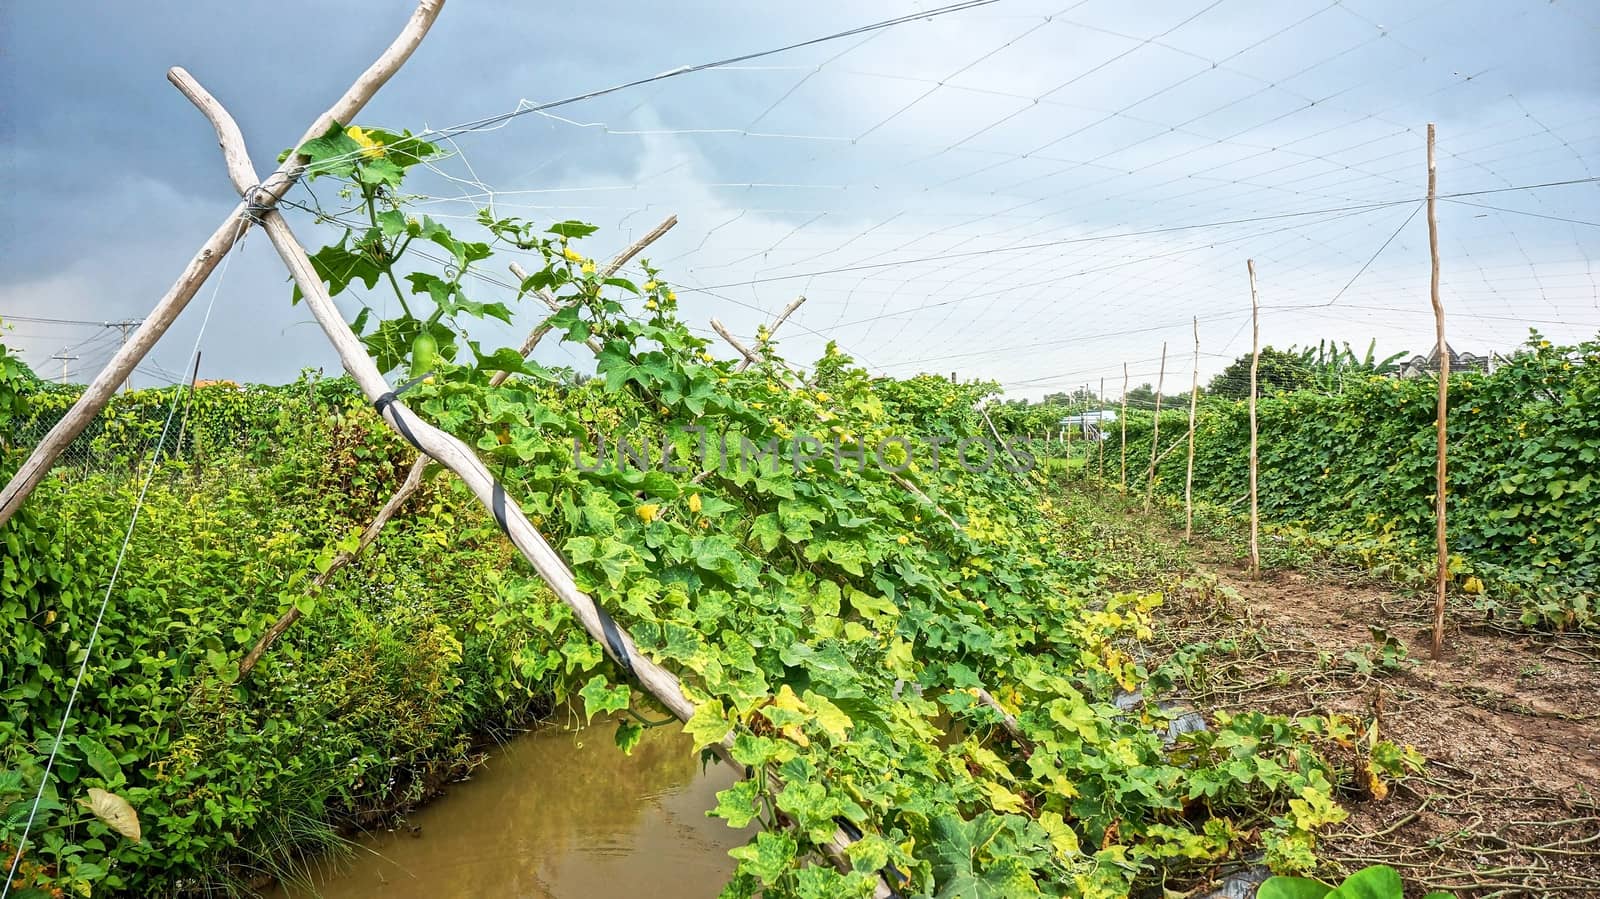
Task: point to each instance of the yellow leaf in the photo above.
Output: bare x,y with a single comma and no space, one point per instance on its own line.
828,716
114,811
1002,799
788,701
1062,837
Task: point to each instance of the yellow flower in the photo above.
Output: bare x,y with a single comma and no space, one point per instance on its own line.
672,297
588,267
694,503
706,358
822,397
903,540
648,512
571,254
370,148
650,285
650,304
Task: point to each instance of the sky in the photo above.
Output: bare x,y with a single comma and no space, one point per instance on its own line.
1033,193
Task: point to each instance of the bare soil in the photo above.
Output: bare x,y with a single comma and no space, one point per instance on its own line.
1509,804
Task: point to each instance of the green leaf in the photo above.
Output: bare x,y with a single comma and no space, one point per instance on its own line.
100,759
739,804
1376,882
968,863
707,725
1292,888
872,607
599,698
769,857
765,530
628,735
572,229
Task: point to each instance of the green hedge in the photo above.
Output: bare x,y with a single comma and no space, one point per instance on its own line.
1358,468
221,418
404,658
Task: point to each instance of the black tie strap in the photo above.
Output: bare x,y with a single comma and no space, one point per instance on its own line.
390,398
619,650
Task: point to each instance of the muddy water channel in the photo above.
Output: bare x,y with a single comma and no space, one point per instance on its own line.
555,814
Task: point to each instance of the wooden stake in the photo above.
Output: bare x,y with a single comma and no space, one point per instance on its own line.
1442,496
1067,450
1188,477
1155,431
1255,363
748,354
1124,477
264,194
1101,431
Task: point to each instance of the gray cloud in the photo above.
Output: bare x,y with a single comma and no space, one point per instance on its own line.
952,141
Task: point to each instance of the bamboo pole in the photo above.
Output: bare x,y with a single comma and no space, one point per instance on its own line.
1067,450
772,329
1101,431
1188,477
262,195
1124,476
1155,431
1255,363
455,455
721,329
1442,496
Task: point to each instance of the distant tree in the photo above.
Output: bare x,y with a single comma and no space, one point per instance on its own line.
1142,397
1278,371
1329,365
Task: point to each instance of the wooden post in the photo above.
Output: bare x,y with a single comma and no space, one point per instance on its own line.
1155,431
1067,450
455,455
188,402
1188,477
263,194
1099,429
1124,476
1255,363
1440,462
748,354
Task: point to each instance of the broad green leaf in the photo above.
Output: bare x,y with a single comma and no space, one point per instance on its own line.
100,759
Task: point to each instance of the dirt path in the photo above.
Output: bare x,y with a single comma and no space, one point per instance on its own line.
1509,803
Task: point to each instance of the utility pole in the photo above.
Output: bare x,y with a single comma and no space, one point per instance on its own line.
64,360
125,326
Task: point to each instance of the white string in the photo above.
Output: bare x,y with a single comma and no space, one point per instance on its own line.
127,538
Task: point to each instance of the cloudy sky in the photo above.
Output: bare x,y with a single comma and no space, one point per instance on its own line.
1030,192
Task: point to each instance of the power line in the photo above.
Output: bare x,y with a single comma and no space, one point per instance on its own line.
1126,234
